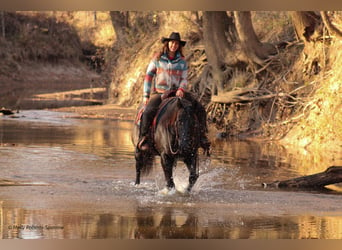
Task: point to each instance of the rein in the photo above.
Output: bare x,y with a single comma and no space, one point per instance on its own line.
173,123
169,141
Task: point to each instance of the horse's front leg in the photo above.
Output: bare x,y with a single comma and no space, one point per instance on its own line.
138,165
167,163
192,165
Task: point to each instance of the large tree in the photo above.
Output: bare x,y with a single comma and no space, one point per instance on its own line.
308,25
309,29
254,50
231,45
220,38
120,25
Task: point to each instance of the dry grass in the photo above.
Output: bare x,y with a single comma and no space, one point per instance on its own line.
35,36
321,126
128,75
272,26
93,26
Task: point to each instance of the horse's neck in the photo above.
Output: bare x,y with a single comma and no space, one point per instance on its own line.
171,114
166,110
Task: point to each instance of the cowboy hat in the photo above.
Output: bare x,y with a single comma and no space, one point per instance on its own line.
174,36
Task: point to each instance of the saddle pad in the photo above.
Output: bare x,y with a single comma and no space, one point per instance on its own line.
138,116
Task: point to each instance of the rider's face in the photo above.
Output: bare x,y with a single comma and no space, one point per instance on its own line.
173,45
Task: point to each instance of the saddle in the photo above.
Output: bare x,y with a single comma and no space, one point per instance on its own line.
165,98
161,110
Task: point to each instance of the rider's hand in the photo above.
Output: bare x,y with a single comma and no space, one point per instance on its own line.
145,100
180,93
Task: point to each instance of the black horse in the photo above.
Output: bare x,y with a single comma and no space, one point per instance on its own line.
176,136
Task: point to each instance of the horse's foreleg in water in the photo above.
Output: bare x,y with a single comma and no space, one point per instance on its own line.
138,165
167,163
191,163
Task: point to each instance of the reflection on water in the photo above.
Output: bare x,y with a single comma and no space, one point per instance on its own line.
100,137
90,166
166,223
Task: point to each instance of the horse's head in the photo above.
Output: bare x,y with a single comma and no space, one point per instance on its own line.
187,127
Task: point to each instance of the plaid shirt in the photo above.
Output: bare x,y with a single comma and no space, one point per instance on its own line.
168,74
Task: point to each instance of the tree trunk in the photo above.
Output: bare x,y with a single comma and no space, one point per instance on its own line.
3,24
216,24
231,46
211,33
95,17
52,23
306,25
255,51
309,29
332,29
119,21
332,175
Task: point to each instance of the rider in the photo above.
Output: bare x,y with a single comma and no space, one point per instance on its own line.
170,70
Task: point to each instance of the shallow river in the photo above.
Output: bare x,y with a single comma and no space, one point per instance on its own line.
81,175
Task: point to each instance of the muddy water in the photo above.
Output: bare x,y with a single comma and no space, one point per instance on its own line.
82,174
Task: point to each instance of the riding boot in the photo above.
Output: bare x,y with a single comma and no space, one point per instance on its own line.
143,143
151,109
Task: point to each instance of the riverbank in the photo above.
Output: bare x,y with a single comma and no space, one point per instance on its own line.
107,111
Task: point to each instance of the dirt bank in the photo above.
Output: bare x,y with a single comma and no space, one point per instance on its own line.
23,90
107,111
